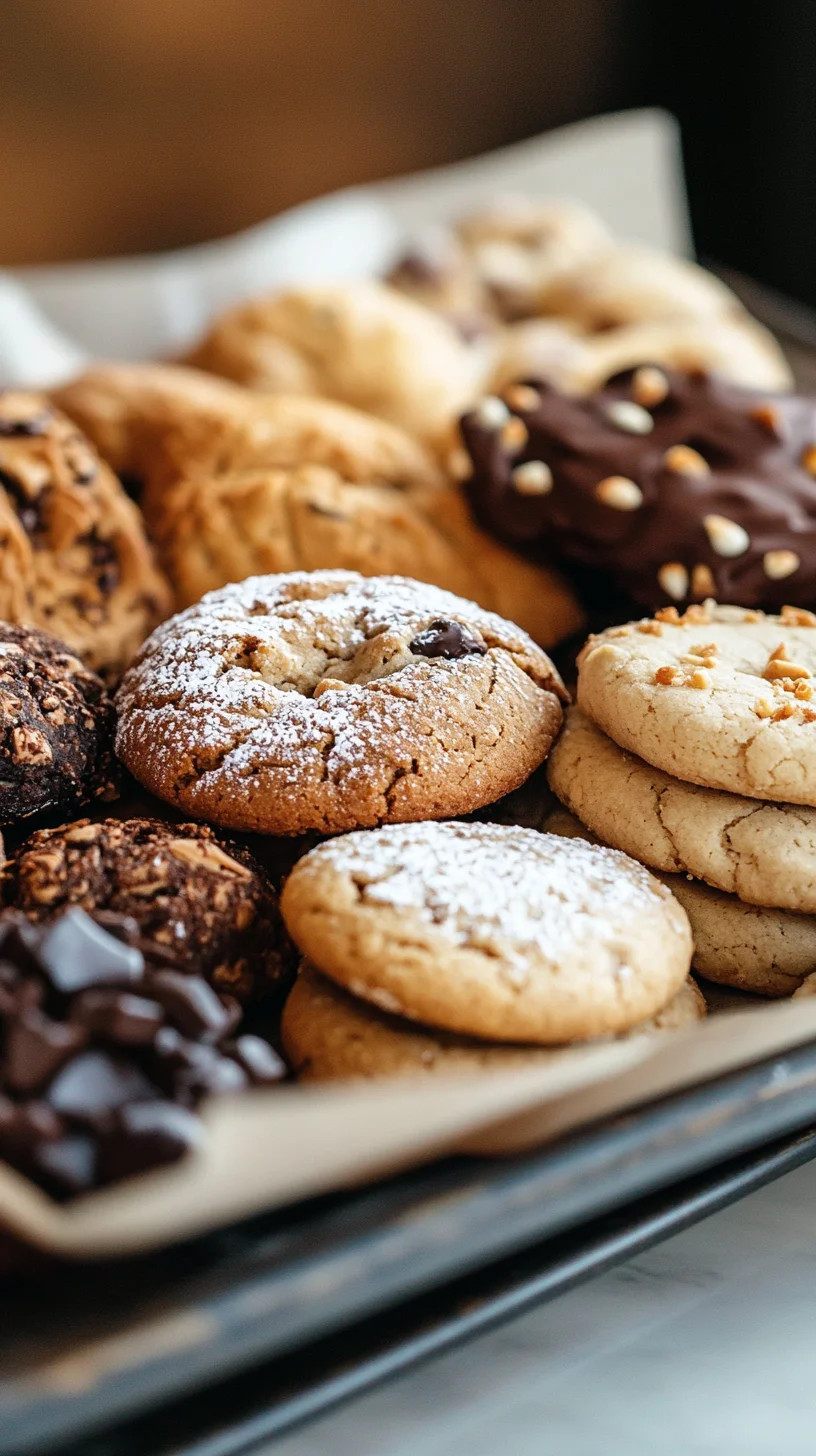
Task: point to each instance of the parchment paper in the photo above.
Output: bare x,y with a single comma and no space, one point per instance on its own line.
267,1149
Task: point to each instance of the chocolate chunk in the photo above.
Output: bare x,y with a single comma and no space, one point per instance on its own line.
67,1166
96,1082
193,1005
147,1135
194,1070
260,1060
675,486
446,639
23,1124
19,943
76,953
119,1016
35,1047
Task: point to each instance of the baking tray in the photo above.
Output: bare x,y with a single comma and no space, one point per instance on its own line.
85,1349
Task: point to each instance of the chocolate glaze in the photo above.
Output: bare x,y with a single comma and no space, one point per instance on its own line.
446,639
754,445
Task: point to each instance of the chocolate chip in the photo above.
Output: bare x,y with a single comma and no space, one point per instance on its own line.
76,953
193,1005
260,1060
95,1082
147,1135
35,1047
67,1165
119,1016
445,638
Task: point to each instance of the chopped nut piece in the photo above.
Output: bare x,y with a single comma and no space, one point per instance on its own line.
514,435
787,710
620,493
809,460
686,461
674,580
491,413
727,538
767,416
202,854
459,464
779,564
697,612
522,397
666,676
629,416
329,685
699,679
668,614
649,386
532,478
702,581
651,628
28,745
620,632
780,653
697,660
764,709
803,691
797,617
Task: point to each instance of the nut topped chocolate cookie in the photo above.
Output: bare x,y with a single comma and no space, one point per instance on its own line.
207,906
329,701
56,728
106,1054
74,558
678,487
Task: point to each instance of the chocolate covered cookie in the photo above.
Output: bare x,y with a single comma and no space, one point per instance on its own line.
207,905
74,558
677,487
56,728
106,1054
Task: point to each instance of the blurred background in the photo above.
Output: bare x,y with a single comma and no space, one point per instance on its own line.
148,124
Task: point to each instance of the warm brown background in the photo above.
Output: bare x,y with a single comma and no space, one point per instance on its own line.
129,125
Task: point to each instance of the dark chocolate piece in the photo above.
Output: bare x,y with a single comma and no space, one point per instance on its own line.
75,953
444,638
676,486
147,1135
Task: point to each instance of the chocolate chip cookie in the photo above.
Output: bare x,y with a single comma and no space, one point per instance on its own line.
107,1054
207,905
328,700
56,728
677,487
74,558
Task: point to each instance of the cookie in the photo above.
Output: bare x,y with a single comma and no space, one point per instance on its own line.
763,853
329,1035
206,904
490,931
56,728
361,343
631,283
766,952
331,701
106,1056
675,486
719,697
74,558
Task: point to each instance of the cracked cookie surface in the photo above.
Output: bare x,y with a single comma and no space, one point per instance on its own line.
763,853
309,701
721,697
489,930
329,1035
56,728
203,903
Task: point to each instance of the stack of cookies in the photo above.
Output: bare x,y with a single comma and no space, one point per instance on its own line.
692,749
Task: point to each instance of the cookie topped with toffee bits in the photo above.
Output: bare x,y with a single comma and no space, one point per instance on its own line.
205,904
677,486
720,696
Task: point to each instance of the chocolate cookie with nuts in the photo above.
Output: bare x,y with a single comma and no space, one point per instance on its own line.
56,728
677,487
207,905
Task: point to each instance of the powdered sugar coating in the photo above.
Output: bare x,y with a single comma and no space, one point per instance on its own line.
490,929
295,702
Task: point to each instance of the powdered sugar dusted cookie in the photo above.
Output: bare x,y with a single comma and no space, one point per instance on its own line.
330,701
720,696
490,930
329,1035
764,853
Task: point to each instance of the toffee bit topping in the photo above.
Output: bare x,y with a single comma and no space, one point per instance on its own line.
685,461
779,564
665,676
674,580
491,413
620,493
780,666
629,416
522,397
649,386
448,639
514,435
668,614
766,416
727,537
797,617
532,478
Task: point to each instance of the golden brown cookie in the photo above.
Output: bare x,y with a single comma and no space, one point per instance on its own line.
361,343
489,930
204,902
74,558
329,1035
327,701
763,853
